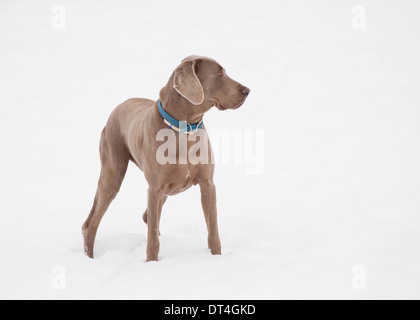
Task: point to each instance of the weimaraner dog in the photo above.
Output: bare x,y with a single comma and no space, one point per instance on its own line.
196,85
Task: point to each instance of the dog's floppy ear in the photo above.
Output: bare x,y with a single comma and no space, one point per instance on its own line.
186,82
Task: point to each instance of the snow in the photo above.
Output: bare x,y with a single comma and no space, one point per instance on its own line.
339,110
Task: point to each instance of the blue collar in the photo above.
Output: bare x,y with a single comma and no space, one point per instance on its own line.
180,126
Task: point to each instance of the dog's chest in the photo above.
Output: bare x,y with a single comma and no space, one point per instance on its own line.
181,179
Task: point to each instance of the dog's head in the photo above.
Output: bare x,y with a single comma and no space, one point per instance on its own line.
202,80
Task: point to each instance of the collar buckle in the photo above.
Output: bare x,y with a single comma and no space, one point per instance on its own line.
179,126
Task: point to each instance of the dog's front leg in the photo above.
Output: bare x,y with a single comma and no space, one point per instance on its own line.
208,200
154,208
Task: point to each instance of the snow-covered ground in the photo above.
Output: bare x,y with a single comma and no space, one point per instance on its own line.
334,213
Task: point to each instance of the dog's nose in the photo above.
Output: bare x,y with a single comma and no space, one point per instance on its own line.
245,91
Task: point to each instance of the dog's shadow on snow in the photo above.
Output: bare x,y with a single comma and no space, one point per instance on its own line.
122,242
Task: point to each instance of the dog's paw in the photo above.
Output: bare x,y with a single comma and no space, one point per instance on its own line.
89,252
215,246
152,259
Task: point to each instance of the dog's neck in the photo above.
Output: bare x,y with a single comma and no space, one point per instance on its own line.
179,107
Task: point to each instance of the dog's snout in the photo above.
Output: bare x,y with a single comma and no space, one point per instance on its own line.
245,91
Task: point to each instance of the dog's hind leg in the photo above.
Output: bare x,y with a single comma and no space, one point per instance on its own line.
114,161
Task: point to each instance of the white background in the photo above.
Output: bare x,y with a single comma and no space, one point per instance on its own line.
341,182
